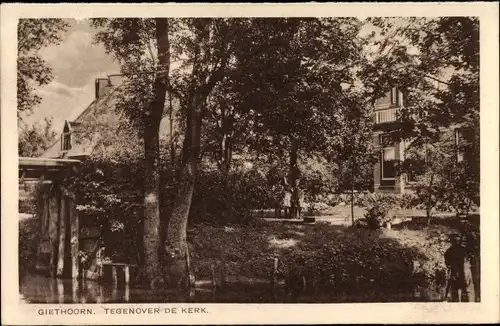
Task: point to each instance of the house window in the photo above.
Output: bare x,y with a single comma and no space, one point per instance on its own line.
397,97
388,167
66,141
388,157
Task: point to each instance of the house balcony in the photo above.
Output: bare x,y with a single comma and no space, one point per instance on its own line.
386,115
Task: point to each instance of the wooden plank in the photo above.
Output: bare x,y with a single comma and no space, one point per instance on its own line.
62,236
75,238
25,162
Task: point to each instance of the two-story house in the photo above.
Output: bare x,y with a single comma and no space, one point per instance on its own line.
391,150
385,117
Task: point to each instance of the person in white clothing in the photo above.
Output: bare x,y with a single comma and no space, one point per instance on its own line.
287,202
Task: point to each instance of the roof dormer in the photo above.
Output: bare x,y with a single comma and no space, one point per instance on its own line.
66,137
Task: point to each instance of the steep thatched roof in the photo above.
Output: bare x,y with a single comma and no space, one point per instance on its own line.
85,128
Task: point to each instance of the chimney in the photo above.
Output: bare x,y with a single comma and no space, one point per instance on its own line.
102,87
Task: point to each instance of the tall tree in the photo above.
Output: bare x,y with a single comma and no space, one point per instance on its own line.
32,70
206,52
294,74
131,41
201,48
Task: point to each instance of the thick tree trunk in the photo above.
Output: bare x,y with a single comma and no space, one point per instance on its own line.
294,178
151,237
172,144
202,83
176,247
152,119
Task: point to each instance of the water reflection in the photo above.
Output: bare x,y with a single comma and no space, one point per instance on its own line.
41,289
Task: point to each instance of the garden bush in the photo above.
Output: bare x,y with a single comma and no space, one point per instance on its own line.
330,256
29,235
380,209
342,258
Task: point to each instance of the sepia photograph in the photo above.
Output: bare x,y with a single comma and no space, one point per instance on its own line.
215,160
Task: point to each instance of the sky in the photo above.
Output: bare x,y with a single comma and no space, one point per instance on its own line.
75,63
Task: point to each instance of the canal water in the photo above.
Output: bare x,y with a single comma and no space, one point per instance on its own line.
42,289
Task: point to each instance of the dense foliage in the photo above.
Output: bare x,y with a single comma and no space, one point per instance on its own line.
435,61
329,256
32,70
35,139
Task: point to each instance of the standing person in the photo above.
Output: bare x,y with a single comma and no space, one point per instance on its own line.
278,193
287,202
300,202
470,243
455,262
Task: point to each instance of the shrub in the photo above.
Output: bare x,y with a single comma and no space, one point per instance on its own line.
379,209
330,256
29,235
246,191
342,258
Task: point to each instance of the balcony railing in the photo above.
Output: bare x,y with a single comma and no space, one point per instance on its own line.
385,116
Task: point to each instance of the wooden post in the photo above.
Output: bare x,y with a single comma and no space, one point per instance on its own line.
53,230
115,274
60,291
126,272
114,292
62,236
223,275
275,272
214,283
52,290
74,284
75,233
100,297
127,293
